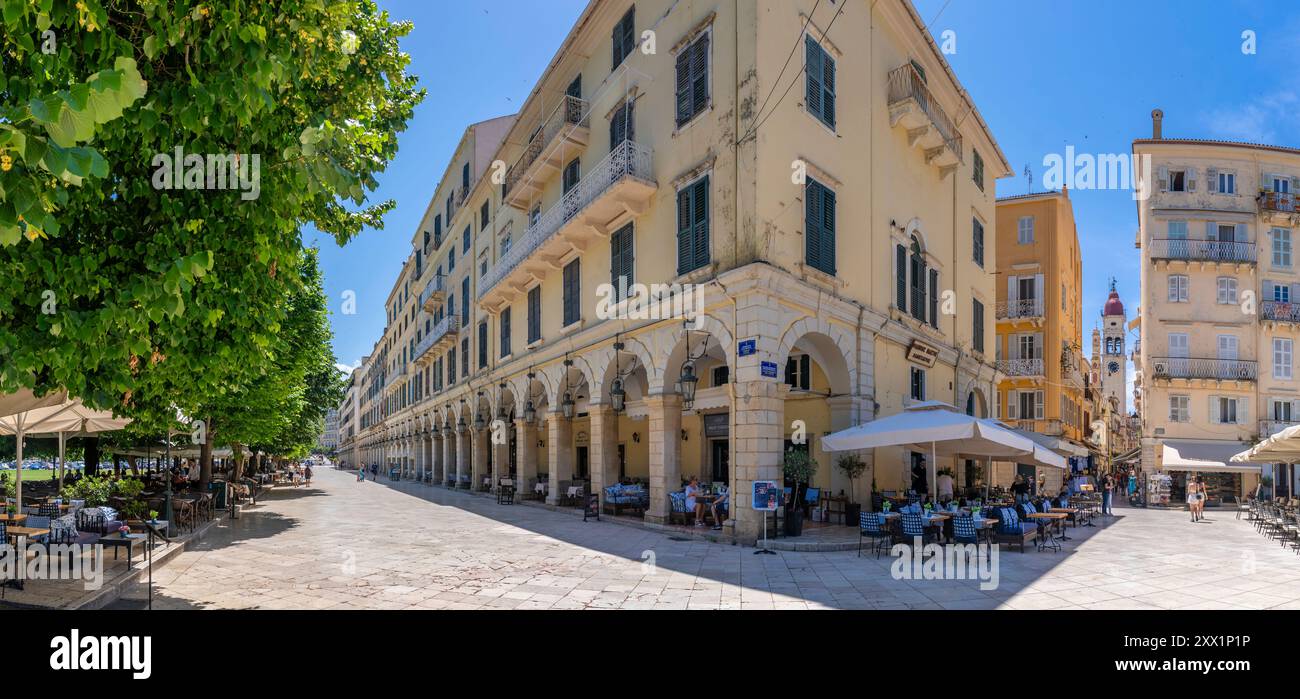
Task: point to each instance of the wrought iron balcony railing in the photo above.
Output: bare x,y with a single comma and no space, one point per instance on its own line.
1204,368
448,326
1054,428
1023,308
627,160
1206,250
572,111
1280,311
1268,428
1021,367
906,83
1284,202
433,292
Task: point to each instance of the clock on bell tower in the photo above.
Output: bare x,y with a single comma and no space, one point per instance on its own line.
1112,370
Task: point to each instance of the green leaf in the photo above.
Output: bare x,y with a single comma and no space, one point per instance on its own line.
151,46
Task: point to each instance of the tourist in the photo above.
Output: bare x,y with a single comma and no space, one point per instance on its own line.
920,477
720,504
1195,497
1020,489
945,485
306,474
1107,490
693,505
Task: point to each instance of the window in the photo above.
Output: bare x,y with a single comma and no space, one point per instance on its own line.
1063,297
1028,347
464,357
1281,247
624,38
819,227
483,217
1281,185
1227,290
900,277
505,333
693,80
819,75
1178,409
482,268
534,314
437,231
1227,183
1178,230
482,344
1282,354
1281,292
465,241
464,300
1028,404
1177,181
1178,347
1282,410
693,226
977,241
534,215
977,170
620,261
918,384
574,89
570,175
464,177
572,289
1227,347
1025,230
451,258
934,298
977,314
721,375
798,371
451,367
918,269
621,125
1223,409
1178,288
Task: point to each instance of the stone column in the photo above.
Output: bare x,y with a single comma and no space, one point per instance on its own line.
559,446
665,453
448,458
756,450
462,456
604,448
479,456
500,454
526,445
435,447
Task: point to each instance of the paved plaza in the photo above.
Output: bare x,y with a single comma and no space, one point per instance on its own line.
346,545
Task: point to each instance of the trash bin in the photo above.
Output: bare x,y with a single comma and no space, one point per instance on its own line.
218,490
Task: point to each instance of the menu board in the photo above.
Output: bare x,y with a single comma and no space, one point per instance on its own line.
592,508
766,496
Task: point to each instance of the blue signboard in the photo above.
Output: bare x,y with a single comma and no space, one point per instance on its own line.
766,496
746,347
769,369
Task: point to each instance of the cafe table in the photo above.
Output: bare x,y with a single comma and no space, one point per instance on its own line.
1046,520
14,519
1068,512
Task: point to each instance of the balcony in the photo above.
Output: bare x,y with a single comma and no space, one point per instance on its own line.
434,292
1021,367
1277,207
394,378
1024,308
622,182
1199,368
1202,250
1052,428
555,141
928,127
1279,312
440,337
1268,428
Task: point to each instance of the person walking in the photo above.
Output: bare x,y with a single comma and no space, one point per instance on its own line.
1107,493
306,474
1195,497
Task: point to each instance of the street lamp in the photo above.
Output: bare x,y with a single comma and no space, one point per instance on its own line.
530,411
689,381
567,404
617,395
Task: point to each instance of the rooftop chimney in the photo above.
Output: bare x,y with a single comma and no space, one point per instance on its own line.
1157,116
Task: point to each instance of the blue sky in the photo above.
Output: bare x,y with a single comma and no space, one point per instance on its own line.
1045,75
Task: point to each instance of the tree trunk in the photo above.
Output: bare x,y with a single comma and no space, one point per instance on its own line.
238,468
91,447
205,460
133,462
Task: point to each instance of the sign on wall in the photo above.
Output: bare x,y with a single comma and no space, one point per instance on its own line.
769,369
746,347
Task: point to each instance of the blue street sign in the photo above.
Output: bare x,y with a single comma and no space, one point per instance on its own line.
746,347
769,369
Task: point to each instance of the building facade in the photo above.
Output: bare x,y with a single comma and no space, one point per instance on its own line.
349,424
329,437
822,255
1218,328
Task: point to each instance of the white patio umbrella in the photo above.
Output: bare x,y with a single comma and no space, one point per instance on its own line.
24,400
942,428
70,416
1281,448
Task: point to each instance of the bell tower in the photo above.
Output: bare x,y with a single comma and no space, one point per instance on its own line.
1113,330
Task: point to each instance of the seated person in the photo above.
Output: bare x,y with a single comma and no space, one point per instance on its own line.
693,489
721,503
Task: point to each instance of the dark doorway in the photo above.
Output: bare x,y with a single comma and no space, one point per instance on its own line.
920,473
721,460
581,468
622,462
514,457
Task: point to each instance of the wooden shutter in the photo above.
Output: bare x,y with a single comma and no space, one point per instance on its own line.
826,241
805,372
620,257
700,75
534,314
572,277
683,86
1211,180
812,224
813,75
684,228
505,332
934,297
700,209
900,273
828,89
629,32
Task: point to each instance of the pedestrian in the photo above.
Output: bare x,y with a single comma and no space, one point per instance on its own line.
306,474
1195,497
361,474
1107,491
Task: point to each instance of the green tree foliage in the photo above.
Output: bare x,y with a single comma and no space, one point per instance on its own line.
143,298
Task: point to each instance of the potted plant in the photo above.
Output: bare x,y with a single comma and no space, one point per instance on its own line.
852,466
133,506
799,468
153,516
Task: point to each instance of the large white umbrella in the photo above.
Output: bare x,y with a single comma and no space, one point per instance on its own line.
1283,448
942,428
70,416
24,400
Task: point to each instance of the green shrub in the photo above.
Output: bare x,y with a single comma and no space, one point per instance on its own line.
94,491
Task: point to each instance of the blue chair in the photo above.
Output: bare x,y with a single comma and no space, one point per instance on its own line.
1013,530
677,508
914,527
871,525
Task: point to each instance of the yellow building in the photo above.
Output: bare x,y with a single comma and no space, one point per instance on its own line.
1039,323
825,251
1219,314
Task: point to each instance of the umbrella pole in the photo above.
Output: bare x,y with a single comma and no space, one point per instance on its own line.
18,478
60,490
934,471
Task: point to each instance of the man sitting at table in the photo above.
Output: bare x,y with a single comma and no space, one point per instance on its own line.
720,504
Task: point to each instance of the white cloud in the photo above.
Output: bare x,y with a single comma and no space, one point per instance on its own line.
345,369
1255,121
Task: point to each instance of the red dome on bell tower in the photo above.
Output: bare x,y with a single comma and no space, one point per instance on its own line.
1113,307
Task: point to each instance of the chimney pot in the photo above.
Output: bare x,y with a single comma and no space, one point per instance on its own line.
1157,116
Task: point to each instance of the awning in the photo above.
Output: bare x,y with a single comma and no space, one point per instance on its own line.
1134,454
1283,447
1056,444
1213,456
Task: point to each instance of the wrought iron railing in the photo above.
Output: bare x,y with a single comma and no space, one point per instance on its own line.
1280,310
434,286
449,324
904,83
627,160
1052,428
1268,428
1021,367
1213,250
1023,308
1204,368
572,111
1277,201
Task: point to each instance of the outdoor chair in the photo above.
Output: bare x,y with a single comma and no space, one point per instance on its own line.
38,522
677,509
871,525
1013,530
914,527
964,530
627,497
48,510
506,492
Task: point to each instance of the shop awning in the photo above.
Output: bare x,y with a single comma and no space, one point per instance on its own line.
1213,456
1056,444
1134,454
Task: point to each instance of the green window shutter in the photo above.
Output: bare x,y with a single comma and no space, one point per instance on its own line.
934,297
900,276
572,307
700,75
700,208
684,248
813,75
828,89
618,128
683,87
812,224
620,260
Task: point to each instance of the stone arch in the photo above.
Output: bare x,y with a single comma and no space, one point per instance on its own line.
976,403
830,345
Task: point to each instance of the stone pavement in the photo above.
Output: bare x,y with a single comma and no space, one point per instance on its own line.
341,544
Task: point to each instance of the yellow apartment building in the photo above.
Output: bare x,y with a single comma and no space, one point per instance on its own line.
823,248
1219,318
1040,323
